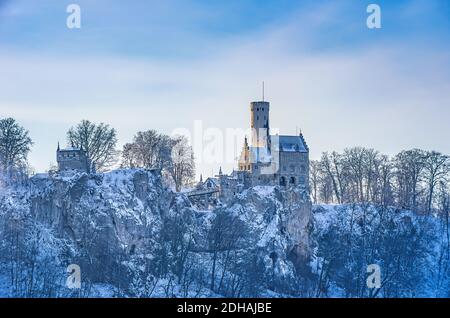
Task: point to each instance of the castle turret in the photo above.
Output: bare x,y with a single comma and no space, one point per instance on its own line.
244,160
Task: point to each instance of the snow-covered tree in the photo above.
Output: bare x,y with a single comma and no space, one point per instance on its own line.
182,168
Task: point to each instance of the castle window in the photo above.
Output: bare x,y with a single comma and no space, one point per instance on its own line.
257,109
257,117
292,180
283,181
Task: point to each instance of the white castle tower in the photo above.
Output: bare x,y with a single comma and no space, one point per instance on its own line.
259,123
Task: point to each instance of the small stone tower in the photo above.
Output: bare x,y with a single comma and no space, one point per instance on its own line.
72,159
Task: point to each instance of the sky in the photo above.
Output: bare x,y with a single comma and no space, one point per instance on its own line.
170,65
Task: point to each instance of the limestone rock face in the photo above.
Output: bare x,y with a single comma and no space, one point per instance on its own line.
280,222
299,225
118,220
107,216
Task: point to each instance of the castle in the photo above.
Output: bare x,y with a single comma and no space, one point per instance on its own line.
273,159
72,159
265,160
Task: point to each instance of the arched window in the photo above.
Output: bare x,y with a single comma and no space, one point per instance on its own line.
292,180
283,181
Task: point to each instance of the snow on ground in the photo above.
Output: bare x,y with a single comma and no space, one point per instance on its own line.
264,191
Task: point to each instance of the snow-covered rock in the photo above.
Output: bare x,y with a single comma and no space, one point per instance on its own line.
126,229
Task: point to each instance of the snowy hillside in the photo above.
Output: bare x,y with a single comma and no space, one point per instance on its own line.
410,250
132,236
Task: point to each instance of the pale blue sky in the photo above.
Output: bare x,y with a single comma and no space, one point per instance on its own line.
163,64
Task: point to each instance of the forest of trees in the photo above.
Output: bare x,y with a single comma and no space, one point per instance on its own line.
414,179
374,194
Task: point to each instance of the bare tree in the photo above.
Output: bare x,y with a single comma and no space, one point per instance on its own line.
444,206
355,160
437,166
385,177
331,169
149,150
129,159
98,140
182,168
314,178
226,234
409,166
15,144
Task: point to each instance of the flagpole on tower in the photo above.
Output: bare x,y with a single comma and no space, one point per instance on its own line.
263,91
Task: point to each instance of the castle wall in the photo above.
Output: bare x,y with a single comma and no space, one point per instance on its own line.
72,160
294,168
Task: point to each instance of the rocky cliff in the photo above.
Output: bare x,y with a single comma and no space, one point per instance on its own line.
126,229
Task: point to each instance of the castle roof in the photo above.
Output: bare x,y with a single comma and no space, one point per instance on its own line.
289,143
70,149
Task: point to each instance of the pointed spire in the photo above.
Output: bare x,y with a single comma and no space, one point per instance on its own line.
220,171
58,147
201,178
71,144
